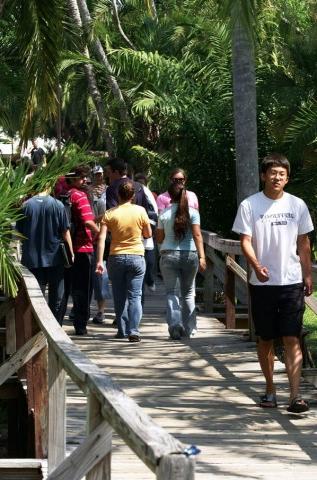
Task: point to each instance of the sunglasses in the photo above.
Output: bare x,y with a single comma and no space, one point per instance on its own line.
178,180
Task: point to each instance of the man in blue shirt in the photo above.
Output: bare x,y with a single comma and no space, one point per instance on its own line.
44,225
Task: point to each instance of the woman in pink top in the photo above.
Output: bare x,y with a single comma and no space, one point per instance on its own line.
178,175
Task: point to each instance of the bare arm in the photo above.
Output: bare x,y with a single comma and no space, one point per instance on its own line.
100,249
303,248
159,235
92,226
198,239
68,239
261,271
147,231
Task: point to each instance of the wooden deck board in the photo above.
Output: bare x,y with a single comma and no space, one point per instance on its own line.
204,391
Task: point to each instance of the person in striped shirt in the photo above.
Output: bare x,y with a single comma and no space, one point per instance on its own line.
84,230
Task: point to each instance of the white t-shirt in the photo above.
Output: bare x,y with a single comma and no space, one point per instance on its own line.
274,226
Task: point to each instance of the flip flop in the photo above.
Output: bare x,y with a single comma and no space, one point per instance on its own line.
298,405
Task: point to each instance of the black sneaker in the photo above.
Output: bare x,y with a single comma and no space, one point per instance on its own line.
98,318
81,331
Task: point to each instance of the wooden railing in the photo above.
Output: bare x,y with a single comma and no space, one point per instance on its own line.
221,255
42,353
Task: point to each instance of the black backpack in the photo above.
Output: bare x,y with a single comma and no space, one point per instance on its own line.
66,201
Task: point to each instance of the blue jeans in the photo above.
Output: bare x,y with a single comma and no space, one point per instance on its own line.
53,278
126,273
100,282
179,268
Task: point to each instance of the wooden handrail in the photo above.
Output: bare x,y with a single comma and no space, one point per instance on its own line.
218,267
148,440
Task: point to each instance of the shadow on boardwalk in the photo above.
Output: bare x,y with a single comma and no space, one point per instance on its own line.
204,391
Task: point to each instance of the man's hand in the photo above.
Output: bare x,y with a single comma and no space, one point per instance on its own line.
308,285
262,274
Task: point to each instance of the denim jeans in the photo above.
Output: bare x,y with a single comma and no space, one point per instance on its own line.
149,256
100,282
126,273
179,268
53,278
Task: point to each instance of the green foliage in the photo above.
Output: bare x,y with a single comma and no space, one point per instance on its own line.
13,189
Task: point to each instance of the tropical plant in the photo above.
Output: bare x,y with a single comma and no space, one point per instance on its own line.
13,189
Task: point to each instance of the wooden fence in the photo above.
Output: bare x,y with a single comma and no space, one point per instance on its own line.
42,353
221,255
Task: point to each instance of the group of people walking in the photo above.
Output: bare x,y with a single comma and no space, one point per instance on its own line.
117,224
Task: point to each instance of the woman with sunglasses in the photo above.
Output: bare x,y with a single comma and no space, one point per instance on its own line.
178,176
182,253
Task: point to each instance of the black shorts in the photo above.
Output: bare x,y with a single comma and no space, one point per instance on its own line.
277,311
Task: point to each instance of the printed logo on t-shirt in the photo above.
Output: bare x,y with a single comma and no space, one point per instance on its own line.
278,219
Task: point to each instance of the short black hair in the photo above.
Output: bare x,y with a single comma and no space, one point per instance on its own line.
275,160
77,172
119,165
140,176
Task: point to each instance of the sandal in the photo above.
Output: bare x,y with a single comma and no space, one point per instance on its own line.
268,400
298,405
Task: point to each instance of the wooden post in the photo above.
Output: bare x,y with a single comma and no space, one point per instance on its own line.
230,302
176,467
56,411
209,286
102,471
11,346
36,376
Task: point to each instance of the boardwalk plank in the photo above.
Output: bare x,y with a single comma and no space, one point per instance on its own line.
204,391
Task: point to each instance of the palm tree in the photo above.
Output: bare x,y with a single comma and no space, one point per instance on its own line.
92,84
242,15
102,56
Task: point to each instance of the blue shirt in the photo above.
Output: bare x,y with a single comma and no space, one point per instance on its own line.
44,220
166,223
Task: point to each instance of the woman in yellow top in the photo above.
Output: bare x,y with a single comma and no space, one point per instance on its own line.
127,223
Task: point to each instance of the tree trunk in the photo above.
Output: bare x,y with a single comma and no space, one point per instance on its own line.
245,122
102,57
152,8
92,85
116,15
2,2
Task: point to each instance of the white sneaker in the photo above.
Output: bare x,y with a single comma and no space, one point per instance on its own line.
152,288
193,333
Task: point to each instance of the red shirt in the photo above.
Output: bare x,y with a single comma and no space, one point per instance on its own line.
81,213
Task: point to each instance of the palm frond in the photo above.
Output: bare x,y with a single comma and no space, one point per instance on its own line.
302,131
39,37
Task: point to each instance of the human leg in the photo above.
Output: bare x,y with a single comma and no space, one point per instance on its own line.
169,266
66,294
189,268
265,350
81,290
293,364
41,276
134,278
117,274
56,289
149,256
290,323
264,305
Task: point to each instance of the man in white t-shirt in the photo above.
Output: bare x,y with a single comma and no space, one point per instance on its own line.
273,227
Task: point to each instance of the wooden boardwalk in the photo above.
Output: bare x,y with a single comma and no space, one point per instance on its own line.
204,391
